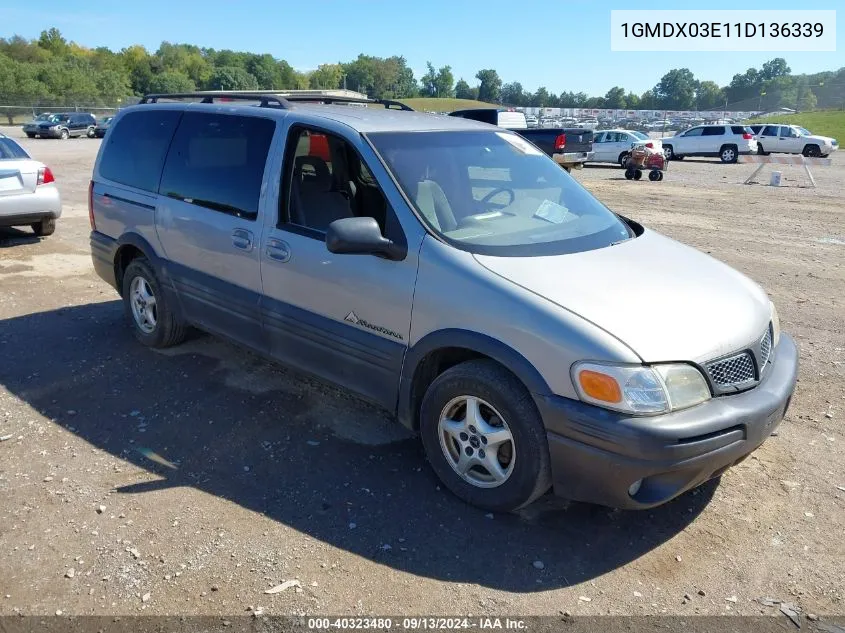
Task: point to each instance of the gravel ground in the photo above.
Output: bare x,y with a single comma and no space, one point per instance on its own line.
192,481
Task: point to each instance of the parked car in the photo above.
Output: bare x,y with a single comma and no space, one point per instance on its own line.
102,126
793,139
725,141
31,128
28,193
614,146
67,125
506,118
553,342
570,148
531,120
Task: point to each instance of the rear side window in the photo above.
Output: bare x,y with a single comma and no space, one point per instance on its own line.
770,130
739,129
217,161
716,130
136,147
11,150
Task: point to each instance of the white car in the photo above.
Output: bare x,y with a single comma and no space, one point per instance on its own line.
614,146
28,193
794,139
725,141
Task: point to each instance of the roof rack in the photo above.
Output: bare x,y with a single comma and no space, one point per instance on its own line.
266,100
272,99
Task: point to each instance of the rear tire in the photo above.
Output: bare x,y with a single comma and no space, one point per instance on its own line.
638,174
504,409
629,173
812,151
654,175
728,153
44,228
91,132
152,318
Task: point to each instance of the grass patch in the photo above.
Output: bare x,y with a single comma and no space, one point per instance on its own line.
434,104
823,122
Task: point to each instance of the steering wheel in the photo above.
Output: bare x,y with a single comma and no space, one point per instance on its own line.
486,199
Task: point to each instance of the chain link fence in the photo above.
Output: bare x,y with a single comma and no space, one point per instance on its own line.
20,114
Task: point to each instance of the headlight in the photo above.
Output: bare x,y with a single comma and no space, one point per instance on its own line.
775,325
638,389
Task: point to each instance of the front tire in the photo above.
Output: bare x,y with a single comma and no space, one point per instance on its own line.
46,227
624,157
153,319
91,132
668,152
812,151
64,135
484,438
30,134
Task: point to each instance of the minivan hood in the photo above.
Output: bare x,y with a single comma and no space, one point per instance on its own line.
665,300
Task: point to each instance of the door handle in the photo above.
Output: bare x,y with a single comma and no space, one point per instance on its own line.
241,238
278,250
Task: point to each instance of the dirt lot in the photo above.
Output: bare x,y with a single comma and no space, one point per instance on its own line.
193,480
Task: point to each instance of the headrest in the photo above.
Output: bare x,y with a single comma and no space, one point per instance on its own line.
313,172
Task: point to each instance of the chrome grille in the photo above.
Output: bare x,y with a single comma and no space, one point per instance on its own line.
765,347
732,372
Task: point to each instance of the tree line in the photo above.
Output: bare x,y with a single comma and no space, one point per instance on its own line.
51,71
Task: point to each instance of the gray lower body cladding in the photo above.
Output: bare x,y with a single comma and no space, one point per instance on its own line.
597,454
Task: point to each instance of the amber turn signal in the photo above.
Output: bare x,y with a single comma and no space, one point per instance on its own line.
600,386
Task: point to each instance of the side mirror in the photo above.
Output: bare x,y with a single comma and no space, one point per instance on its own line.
361,236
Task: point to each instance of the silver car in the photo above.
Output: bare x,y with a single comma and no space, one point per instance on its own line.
452,273
28,193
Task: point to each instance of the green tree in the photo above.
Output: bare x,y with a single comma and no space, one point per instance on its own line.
327,76
137,63
172,81
428,81
615,98
464,91
265,71
444,82
289,78
490,88
632,101
513,94
774,68
540,99
52,41
676,90
709,96
231,78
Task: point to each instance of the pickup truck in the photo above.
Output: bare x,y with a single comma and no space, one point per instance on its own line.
569,147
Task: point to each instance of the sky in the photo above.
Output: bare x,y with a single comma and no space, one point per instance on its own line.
559,44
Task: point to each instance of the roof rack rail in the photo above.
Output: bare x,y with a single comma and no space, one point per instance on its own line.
265,100
272,99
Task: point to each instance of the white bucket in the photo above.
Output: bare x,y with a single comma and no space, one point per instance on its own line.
774,181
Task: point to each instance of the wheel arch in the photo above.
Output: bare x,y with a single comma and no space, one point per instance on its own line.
438,351
131,246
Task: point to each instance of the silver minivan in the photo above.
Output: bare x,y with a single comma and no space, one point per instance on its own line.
452,273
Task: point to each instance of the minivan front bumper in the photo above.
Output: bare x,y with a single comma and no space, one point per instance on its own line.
597,454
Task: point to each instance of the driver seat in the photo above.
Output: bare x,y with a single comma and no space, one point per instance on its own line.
434,205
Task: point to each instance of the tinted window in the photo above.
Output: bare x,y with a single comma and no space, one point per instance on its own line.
716,130
10,149
696,131
217,161
485,116
770,130
135,148
494,193
739,129
599,138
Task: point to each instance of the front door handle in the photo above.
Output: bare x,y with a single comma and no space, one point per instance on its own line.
278,250
241,238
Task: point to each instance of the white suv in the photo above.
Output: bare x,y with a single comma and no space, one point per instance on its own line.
725,141
793,139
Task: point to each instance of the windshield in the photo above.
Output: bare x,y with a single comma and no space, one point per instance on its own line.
43,117
57,118
495,193
640,135
9,150
803,132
